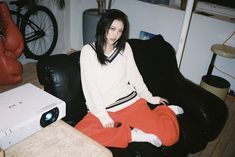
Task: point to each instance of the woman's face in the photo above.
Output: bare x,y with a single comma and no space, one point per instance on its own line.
114,32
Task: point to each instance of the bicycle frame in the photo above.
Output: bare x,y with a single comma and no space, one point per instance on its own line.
19,16
38,27
36,32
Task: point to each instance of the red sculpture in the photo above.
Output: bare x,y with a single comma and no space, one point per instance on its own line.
11,47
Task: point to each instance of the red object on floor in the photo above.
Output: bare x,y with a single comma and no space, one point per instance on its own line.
11,47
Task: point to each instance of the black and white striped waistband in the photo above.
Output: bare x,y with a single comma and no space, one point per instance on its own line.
123,100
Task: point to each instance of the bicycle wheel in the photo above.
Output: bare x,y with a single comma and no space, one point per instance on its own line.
40,30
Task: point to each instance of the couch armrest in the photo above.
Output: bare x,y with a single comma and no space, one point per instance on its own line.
60,75
204,113
208,109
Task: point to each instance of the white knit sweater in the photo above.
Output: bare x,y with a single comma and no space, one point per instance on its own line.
103,85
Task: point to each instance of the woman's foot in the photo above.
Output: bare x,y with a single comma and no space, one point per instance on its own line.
138,135
176,109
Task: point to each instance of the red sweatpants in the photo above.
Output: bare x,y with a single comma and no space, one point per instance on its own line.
161,121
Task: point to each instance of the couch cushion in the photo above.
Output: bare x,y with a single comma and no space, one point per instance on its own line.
151,56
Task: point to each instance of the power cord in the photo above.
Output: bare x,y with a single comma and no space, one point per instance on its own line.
233,77
229,37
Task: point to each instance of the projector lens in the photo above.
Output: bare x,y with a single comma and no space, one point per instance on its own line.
49,117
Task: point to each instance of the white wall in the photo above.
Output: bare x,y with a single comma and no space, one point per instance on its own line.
77,8
203,33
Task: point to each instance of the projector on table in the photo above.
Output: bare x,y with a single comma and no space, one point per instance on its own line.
24,111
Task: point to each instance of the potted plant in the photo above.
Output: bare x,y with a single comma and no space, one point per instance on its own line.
183,4
102,6
91,18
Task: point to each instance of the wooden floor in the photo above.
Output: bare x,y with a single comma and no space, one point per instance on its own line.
222,146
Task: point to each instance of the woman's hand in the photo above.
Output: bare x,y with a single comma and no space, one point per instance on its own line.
109,125
163,101
176,109
107,122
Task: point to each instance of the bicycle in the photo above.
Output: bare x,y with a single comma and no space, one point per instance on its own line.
38,27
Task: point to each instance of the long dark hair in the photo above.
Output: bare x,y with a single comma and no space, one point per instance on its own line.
103,27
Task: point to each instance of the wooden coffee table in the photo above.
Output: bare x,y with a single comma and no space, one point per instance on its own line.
58,140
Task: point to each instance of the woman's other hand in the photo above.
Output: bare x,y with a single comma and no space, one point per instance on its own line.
109,125
163,101
107,122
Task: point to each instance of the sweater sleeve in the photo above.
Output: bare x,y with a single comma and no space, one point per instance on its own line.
89,70
136,80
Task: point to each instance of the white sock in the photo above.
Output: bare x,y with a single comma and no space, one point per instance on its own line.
176,109
138,135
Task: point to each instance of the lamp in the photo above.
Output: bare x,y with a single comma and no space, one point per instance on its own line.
221,50
215,84
224,50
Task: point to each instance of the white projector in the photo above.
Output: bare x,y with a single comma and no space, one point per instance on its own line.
24,111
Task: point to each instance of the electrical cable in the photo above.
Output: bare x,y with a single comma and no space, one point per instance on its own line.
229,37
233,77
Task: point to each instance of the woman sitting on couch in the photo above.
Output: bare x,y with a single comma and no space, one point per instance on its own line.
116,94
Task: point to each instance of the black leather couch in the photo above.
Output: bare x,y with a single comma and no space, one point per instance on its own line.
204,113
